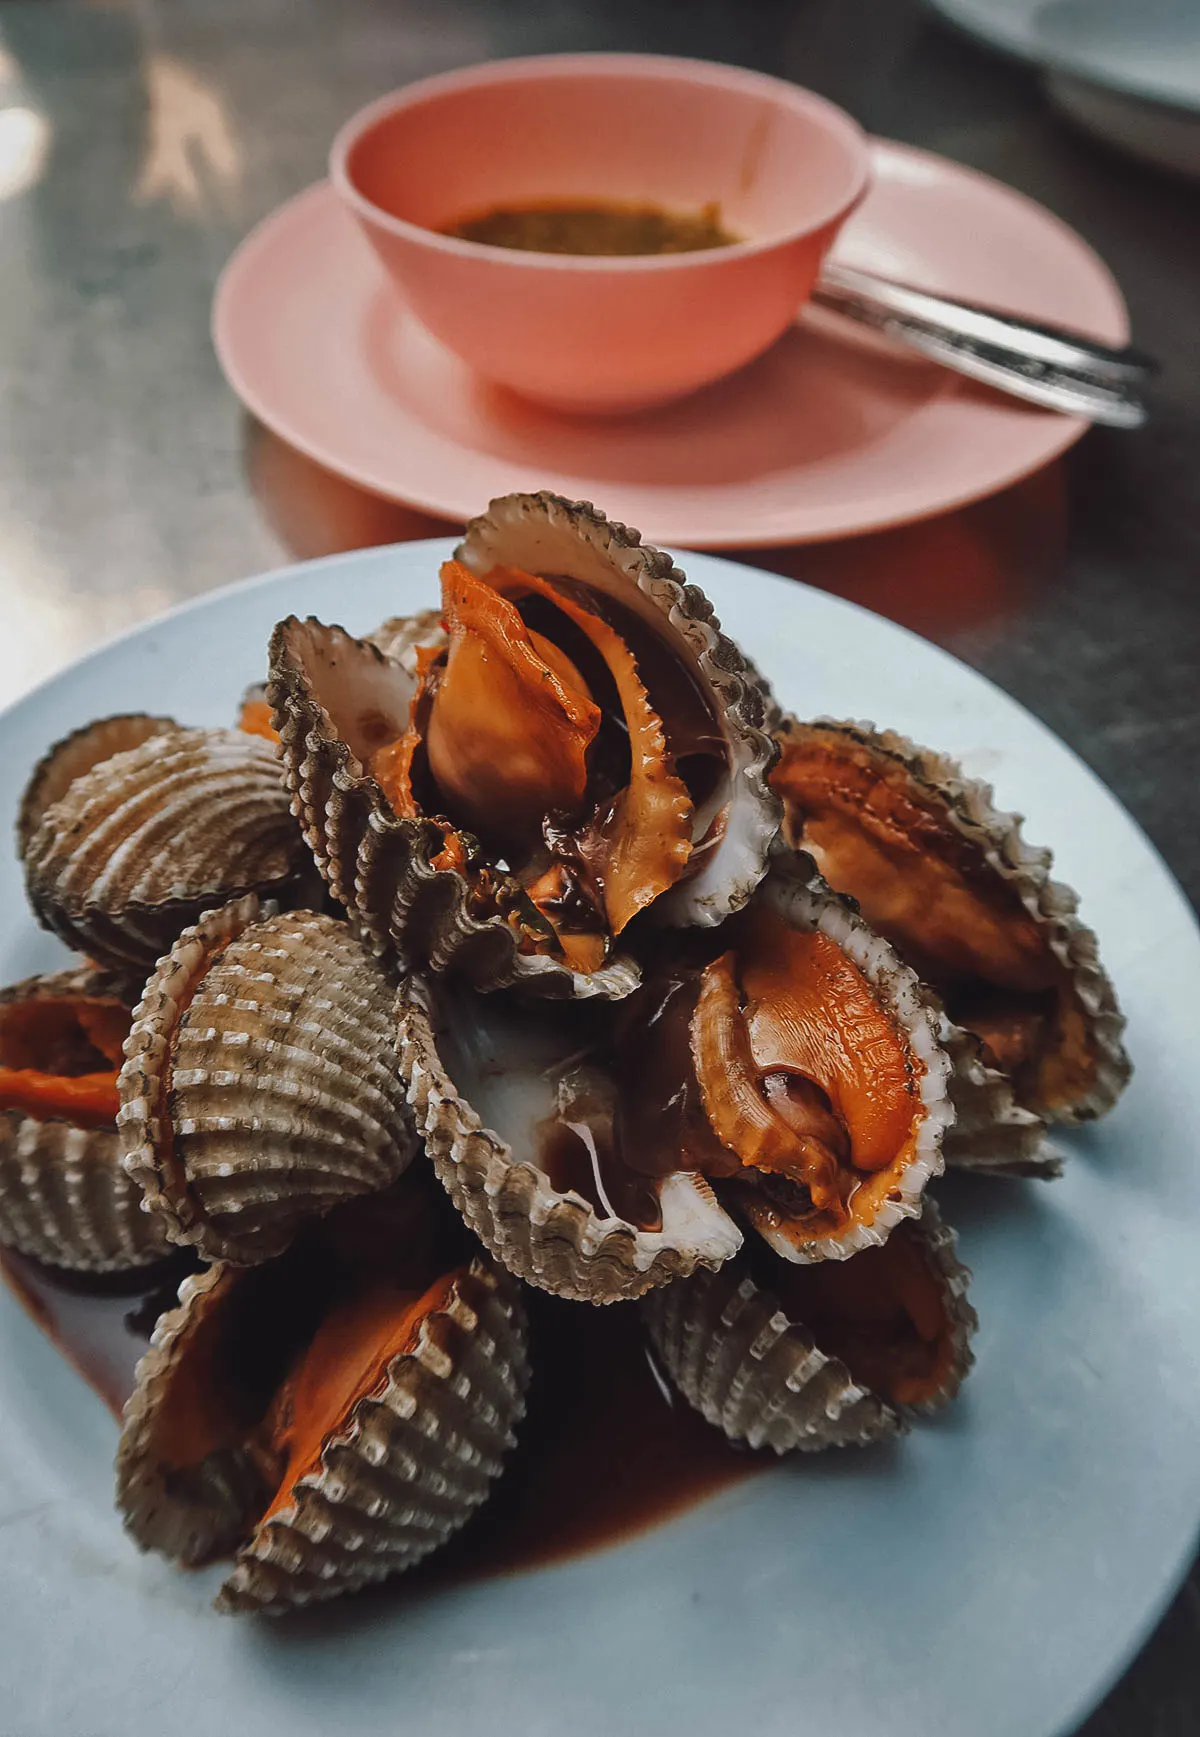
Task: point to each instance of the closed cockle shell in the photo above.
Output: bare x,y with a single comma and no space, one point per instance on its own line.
339,700
858,797
551,1237
65,1199
139,844
76,754
409,1450
767,1373
260,1087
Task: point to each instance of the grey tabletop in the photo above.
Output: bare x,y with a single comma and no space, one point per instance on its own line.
139,140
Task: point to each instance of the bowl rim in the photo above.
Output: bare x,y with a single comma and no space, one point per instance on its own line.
670,69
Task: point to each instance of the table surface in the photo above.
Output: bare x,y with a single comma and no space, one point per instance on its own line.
140,140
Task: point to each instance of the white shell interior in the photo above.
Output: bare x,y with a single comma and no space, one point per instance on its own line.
506,1060
365,697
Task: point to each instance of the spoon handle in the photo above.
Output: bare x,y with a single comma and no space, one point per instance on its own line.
1043,364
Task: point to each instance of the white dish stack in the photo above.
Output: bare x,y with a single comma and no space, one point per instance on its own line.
1126,71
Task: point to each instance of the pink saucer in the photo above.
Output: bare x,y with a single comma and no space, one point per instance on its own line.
825,436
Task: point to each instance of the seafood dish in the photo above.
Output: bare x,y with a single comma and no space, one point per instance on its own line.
576,749
515,966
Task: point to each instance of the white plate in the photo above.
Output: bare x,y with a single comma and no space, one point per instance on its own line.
986,1579
1003,24
1127,71
1149,49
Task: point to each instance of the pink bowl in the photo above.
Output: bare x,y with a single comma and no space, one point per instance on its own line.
602,334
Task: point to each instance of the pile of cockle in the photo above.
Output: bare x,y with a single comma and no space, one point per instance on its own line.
685,1000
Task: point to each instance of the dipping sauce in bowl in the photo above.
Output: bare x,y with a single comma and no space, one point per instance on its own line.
542,150
599,226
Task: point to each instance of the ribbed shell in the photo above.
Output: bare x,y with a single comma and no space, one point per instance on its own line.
796,893
260,1086
545,534
992,1134
206,1511
64,1197
413,1464
996,835
76,754
554,1240
940,1245
377,865
733,1354
761,1377
141,843
401,636
417,1456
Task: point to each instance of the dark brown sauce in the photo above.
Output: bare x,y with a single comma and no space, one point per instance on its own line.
582,1157
661,1122
595,227
601,1455
100,1324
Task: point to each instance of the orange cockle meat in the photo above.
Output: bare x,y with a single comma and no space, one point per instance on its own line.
761,1133
38,1040
392,767
86,1100
255,720
809,1008
802,1071
646,840
887,843
511,720
347,1358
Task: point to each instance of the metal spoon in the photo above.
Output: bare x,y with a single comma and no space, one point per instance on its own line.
1045,364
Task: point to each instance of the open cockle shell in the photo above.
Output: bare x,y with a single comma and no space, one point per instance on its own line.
796,894
552,1238
887,795
600,1151
569,832
64,1198
135,846
421,1418
750,1372
259,1087
767,1374
381,867
547,535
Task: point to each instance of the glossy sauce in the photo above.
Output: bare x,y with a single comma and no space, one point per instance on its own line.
101,1325
581,1156
595,227
601,1455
